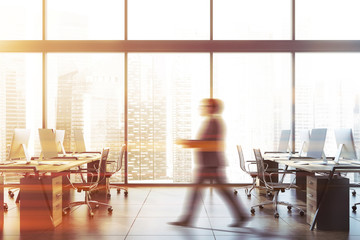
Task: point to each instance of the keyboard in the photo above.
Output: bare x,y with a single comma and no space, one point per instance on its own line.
356,162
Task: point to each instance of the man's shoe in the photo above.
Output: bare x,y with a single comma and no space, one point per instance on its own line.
240,222
180,223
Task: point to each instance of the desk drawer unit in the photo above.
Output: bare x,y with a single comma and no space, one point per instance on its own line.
334,213
40,203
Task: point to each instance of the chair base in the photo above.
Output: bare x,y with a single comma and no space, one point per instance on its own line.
247,191
118,190
275,203
87,202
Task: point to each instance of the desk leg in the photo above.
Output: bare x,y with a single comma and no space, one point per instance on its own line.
66,186
1,203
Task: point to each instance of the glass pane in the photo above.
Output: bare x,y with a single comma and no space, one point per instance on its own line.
252,19
86,92
20,98
164,94
327,19
20,19
169,20
85,19
256,90
327,95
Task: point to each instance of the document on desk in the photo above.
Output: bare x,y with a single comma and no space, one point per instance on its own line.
6,163
301,162
45,163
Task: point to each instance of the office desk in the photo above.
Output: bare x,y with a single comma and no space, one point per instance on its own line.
41,188
329,184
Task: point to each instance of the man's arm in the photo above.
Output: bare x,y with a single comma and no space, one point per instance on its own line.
203,145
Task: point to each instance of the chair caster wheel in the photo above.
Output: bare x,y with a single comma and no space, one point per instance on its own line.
118,191
249,195
125,194
6,207
261,206
108,195
354,193
252,210
64,212
354,208
235,192
91,214
79,190
97,206
276,215
302,213
110,209
289,208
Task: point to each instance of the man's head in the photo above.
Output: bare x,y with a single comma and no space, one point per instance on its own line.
211,106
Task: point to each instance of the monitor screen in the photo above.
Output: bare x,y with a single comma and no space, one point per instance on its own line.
79,141
345,143
284,140
316,142
48,143
19,144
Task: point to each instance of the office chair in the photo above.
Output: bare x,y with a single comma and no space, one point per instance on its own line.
271,186
87,187
243,168
117,168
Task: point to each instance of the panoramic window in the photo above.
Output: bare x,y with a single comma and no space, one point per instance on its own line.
169,20
327,94
20,19
256,90
85,20
86,92
164,94
252,19
327,19
20,98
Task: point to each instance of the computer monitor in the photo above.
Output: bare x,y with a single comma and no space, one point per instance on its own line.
304,138
284,141
48,143
79,141
59,138
316,143
19,144
345,143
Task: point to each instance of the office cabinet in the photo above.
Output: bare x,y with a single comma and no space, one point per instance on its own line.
40,202
334,213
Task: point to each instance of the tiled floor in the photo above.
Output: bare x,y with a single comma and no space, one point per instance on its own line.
145,212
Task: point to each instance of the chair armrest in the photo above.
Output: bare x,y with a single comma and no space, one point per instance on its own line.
249,163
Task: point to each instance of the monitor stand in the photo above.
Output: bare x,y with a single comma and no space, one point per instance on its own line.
27,156
338,154
325,161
